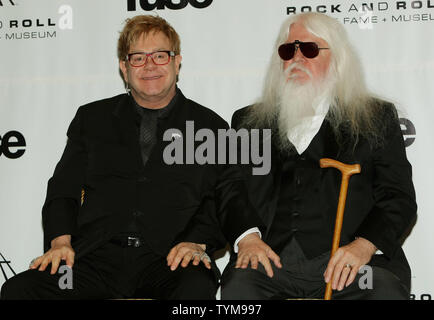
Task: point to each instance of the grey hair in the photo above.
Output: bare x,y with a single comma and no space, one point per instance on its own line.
353,107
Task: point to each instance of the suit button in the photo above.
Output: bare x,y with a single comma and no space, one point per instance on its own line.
294,230
295,214
297,181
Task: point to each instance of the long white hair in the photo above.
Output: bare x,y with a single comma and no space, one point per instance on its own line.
352,105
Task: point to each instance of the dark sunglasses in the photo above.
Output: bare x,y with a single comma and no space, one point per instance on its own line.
308,49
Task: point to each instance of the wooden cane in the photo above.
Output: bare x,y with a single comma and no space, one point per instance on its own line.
347,171
82,197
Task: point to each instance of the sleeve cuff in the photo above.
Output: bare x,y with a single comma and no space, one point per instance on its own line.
249,231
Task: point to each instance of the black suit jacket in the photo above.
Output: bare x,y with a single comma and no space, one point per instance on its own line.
380,203
171,202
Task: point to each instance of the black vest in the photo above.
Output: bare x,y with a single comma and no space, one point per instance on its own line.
297,212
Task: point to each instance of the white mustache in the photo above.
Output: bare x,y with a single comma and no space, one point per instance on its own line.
298,66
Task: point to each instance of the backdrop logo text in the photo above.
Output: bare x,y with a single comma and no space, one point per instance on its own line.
12,145
150,5
10,2
5,262
37,28
368,14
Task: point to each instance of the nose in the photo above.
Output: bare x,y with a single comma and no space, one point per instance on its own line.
298,55
149,62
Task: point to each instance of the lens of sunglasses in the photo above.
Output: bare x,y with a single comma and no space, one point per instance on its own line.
308,49
286,51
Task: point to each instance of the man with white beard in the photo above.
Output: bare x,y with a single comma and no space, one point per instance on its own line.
317,105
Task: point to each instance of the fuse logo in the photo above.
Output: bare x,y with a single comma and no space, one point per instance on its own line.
12,145
169,4
408,131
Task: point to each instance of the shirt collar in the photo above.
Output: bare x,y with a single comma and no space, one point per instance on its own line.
162,112
306,129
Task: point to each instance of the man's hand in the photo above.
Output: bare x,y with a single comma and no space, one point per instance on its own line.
252,249
185,252
60,250
345,263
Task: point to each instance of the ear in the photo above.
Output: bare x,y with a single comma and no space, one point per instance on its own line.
123,68
178,60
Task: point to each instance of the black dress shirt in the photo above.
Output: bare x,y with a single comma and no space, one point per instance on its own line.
147,122
147,125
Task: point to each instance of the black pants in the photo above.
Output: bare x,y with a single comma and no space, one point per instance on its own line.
303,278
112,271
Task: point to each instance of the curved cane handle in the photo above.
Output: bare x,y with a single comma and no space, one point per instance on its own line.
346,169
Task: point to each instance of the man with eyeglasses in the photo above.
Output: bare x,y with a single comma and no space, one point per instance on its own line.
317,105
115,210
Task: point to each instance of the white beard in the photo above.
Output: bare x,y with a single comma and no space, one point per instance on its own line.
302,109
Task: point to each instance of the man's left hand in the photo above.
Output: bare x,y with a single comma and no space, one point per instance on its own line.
185,252
343,266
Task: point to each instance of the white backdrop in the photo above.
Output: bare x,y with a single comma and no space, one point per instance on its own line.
58,54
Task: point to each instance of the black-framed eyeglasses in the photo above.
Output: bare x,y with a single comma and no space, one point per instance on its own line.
308,49
139,59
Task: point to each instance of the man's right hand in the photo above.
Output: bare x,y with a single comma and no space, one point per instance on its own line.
61,249
251,249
